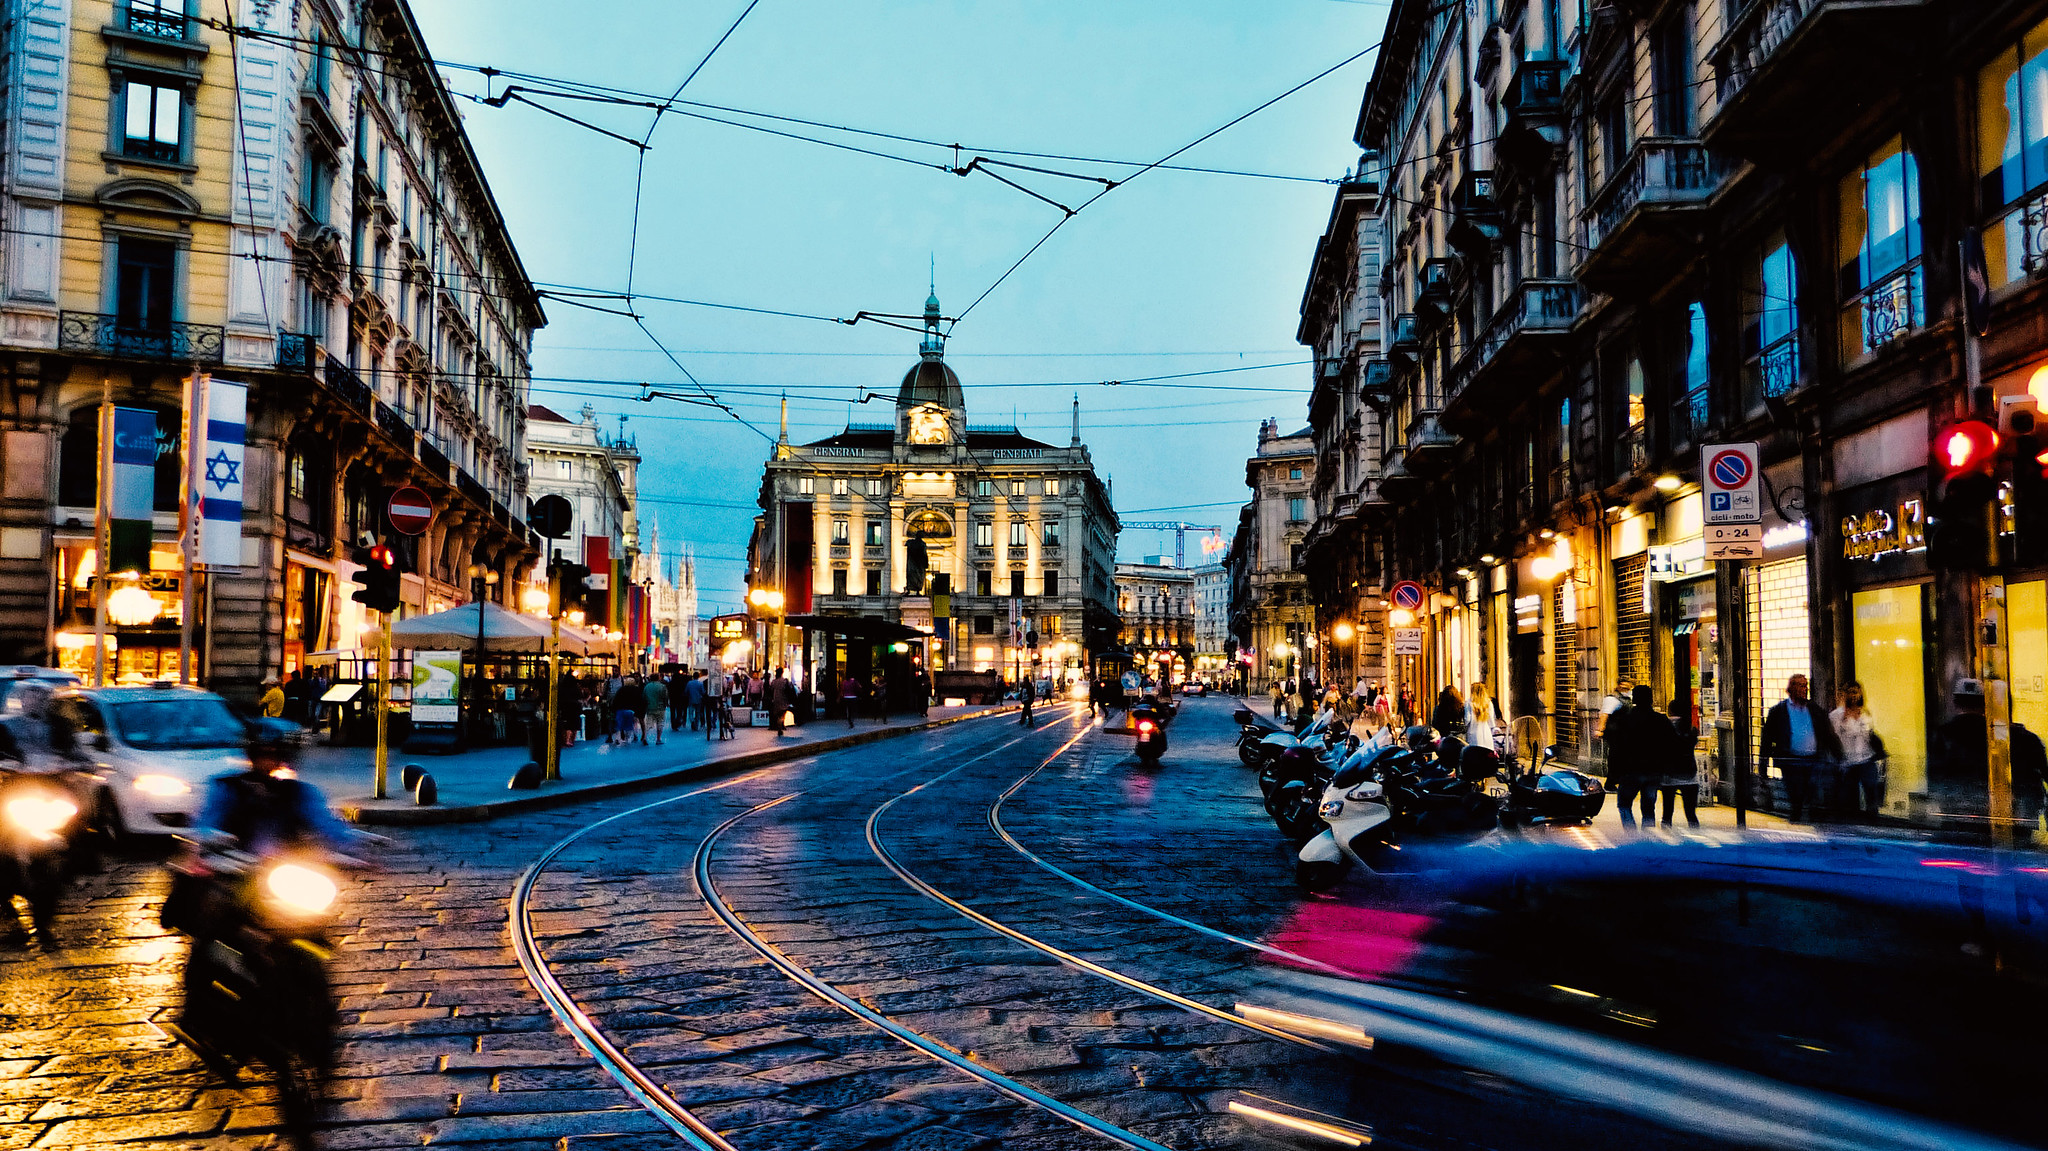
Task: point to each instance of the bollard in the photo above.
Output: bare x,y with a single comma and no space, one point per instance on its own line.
424,793
527,778
409,775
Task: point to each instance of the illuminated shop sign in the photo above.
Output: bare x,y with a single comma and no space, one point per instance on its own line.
1882,532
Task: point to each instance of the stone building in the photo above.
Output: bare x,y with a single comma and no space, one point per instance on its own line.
1156,600
1270,613
1214,650
265,208
598,473
975,535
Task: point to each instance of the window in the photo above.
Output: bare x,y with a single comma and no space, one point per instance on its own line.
154,122
1689,407
1051,535
838,581
1297,508
1632,453
1052,487
875,530
1020,533
2012,157
984,533
876,487
984,624
143,278
1770,323
1882,294
839,532
874,581
1051,581
565,467
1017,585
1671,63
319,183
984,582
1293,473
984,487
839,487
1613,113
806,486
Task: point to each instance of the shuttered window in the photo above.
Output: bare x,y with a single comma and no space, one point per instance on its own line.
1564,677
1632,625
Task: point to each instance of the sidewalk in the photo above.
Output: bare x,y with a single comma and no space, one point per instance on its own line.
472,785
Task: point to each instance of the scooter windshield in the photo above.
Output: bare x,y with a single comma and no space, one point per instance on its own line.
1366,764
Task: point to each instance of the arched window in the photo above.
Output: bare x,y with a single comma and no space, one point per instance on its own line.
928,526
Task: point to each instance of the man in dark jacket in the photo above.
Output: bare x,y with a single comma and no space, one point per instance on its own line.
1959,770
627,704
1799,737
1641,743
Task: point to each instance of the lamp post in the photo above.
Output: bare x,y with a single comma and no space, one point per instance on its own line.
481,580
769,600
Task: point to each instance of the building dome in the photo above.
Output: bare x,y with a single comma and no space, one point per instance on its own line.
931,382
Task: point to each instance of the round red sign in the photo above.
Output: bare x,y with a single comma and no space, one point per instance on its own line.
410,511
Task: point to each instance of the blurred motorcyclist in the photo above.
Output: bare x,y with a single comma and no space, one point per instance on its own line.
268,808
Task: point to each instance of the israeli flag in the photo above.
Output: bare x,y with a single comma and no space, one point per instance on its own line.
220,474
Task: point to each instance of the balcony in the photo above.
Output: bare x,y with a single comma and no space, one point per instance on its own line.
1645,218
1632,452
1533,113
348,387
1475,216
393,424
295,352
1433,295
1406,342
1520,344
95,334
1376,385
1786,71
1396,481
158,23
1430,447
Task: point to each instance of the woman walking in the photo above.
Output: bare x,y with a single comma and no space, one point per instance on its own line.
1862,786
1479,728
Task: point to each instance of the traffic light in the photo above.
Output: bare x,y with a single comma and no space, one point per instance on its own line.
1965,534
379,579
567,588
1031,638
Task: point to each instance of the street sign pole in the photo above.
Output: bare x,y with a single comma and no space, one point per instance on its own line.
381,700
1731,476
553,769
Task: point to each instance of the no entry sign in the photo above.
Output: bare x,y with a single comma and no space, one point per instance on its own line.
1733,481
410,511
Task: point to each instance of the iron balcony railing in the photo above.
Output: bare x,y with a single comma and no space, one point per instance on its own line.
155,22
295,351
97,334
347,386
1535,306
1760,28
1659,171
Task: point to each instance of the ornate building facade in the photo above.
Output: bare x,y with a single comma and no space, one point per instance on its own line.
1271,615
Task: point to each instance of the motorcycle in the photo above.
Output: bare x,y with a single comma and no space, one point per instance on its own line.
1303,776
1313,742
1251,731
38,818
1356,818
256,985
1546,795
1148,722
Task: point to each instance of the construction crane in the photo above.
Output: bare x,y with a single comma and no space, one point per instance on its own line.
1180,535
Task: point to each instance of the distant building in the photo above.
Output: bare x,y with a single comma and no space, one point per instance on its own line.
1157,603
1213,649
976,536
598,473
1270,614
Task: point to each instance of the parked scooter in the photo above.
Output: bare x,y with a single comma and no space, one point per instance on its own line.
1356,818
1251,731
1549,795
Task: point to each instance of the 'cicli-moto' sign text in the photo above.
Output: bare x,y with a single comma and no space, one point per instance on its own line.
1883,532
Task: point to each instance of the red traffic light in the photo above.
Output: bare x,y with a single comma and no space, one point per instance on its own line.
1965,447
383,557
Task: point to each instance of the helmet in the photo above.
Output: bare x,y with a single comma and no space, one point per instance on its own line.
274,744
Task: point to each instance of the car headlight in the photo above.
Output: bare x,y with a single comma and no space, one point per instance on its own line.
161,786
1331,808
1367,790
301,888
40,816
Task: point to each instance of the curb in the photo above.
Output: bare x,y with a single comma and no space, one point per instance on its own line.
396,816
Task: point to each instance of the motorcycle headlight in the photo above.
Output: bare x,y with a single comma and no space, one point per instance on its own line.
301,888
1331,808
41,816
1366,790
161,786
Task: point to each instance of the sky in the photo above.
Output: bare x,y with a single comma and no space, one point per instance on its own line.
1173,272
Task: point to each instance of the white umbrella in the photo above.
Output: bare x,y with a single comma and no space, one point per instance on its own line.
503,631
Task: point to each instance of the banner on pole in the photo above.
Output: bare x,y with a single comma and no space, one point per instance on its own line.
131,495
220,474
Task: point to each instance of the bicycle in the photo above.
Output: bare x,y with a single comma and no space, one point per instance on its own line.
721,721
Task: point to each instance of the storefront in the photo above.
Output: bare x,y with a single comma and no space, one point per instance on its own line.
144,614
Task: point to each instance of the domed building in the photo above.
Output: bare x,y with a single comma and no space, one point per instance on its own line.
933,541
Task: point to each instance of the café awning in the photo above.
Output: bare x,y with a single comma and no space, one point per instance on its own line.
504,631
867,627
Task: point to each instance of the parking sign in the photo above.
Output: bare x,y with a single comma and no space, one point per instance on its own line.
1734,483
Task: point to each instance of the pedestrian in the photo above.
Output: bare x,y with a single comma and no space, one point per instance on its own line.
1682,777
781,701
849,696
882,697
272,704
717,686
1958,770
755,686
1798,738
627,704
921,684
654,717
1639,746
1279,700
693,699
1479,725
1861,781
1449,717
295,698
1026,697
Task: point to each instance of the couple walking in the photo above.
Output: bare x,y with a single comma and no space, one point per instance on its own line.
1649,752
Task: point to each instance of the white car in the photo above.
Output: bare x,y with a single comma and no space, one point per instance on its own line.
151,752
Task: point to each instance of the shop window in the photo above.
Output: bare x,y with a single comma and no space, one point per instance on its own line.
984,582
838,581
2012,157
1883,297
1051,582
874,581
1779,645
1890,664
153,121
1770,323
